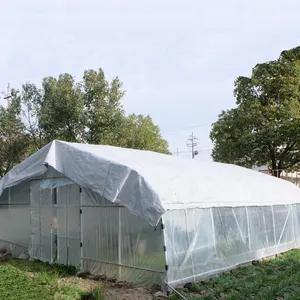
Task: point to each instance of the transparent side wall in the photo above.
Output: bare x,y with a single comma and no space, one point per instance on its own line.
42,221
68,225
203,242
15,218
118,244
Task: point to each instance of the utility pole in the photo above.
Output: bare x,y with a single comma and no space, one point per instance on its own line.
177,152
192,142
8,95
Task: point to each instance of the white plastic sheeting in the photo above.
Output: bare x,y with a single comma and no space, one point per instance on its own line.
42,221
118,244
203,242
68,225
55,183
214,216
149,184
15,217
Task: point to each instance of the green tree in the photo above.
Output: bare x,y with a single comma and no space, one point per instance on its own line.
30,99
264,128
13,140
139,132
103,107
88,111
61,115
55,111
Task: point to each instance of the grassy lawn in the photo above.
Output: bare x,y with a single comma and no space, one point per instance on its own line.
275,279
22,279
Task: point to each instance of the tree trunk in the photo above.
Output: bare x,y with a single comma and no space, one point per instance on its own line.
276,172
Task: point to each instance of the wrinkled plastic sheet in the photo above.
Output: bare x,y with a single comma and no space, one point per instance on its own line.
55,183
148,184
118,244
204,242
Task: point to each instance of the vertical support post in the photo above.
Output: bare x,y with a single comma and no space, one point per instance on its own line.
213,230
120,245
30,203
54,226
248,228
51,244
67,223
9,198
274,226
40,222
292,208
189,243
166,257
265,226
81,228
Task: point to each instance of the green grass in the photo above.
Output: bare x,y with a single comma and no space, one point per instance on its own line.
95,294
22,279
269,280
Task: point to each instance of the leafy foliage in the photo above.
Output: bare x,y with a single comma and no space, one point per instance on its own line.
13,141
103,105
88,111
264,127
139,132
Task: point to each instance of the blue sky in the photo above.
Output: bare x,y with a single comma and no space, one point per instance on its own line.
178,60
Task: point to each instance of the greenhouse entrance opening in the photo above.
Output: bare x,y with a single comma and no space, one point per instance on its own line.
55,223
43,216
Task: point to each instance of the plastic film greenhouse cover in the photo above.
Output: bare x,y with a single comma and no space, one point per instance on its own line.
149,184
203,242
15,215
118,244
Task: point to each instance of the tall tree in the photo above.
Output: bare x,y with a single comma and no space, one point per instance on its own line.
264,128
30,99
13,140
103,106
62,110
87,111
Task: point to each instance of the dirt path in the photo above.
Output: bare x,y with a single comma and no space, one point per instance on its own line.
114,291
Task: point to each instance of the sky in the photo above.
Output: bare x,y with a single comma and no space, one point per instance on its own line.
177,59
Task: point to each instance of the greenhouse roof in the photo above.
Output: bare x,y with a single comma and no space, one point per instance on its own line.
149,183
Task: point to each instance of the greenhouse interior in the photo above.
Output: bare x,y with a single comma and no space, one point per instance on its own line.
144,217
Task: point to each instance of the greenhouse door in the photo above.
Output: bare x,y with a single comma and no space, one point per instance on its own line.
68,225
42,220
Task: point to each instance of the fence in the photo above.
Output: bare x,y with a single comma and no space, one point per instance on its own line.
292,176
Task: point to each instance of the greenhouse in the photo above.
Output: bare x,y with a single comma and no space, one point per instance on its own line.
144,217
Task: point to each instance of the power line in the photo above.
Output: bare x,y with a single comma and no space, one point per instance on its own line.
188,151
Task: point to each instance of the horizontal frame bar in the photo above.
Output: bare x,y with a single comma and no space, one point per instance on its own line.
122,265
